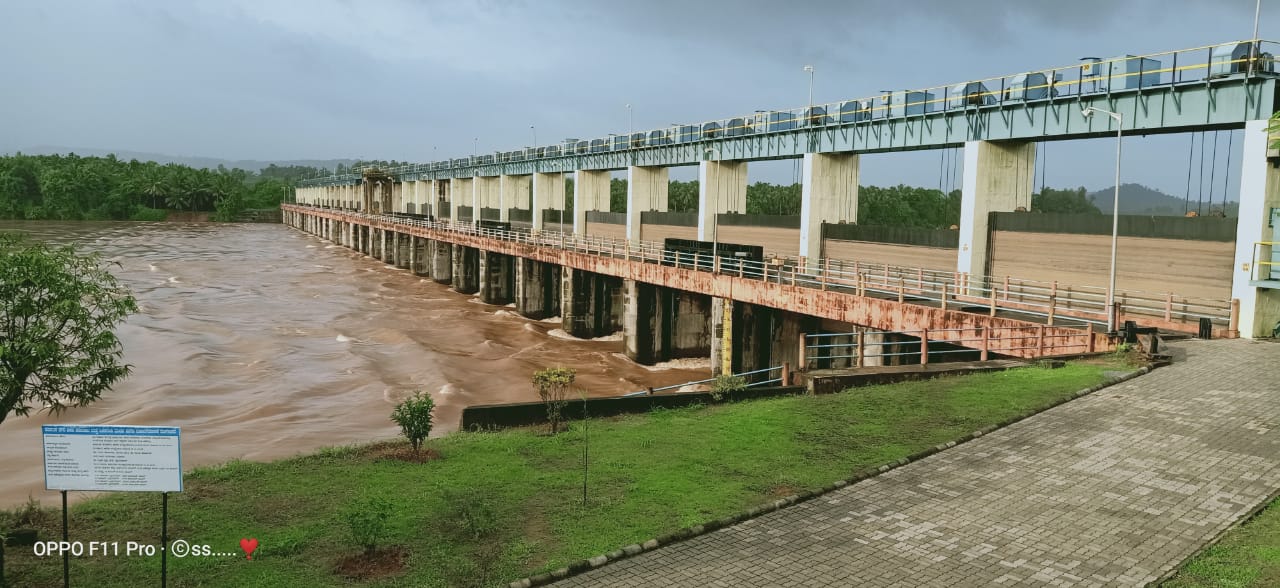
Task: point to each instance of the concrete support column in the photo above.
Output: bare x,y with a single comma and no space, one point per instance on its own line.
722,187
591,304
829,193
466,270
515,192
661,324
646,190
497,278
643,323
752,343
384,246
590,192
487,193
426,198
997,176
413,255
461,194
404,251
1259,194
441,261
397,197
547,194
722,336
536,286
443,198
419,260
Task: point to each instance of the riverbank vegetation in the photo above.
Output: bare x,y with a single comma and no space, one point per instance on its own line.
489,508
69,187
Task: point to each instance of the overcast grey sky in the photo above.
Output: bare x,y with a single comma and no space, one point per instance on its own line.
403,79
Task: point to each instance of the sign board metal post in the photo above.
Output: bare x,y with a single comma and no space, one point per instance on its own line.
119,458
66,555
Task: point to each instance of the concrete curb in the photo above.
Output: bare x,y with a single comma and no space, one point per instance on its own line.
581,566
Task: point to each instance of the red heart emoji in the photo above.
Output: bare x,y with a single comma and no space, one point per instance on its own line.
248,545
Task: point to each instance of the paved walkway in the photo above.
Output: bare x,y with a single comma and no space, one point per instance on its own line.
1113,489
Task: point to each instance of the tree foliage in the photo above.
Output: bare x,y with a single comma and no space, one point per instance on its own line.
553,386
70,187
57,345
1273,130
414,417
1051,200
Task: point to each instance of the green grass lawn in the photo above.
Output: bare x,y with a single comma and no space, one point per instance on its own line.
1247,556
500,506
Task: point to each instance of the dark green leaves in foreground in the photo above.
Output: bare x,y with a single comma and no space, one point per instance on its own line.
57,312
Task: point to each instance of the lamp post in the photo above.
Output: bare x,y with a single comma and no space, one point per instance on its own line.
809,112
1115,214
535,138
631,123
1253,43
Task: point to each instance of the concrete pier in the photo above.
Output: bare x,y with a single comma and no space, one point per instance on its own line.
497,278
466,270
829,193
515,192
537,289
722,187
647,189
1259,195
661,324
441,254
590,304
547,194
997,176
590,193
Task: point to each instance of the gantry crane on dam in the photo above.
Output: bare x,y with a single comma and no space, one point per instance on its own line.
1004,282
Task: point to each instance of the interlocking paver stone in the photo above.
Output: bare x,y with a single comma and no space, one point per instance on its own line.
1112,489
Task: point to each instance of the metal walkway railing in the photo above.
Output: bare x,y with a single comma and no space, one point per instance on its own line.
767,371
1049,303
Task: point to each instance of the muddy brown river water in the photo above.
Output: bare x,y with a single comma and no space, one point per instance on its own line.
262,342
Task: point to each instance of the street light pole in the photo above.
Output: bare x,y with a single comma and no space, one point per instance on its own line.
1253,43
535,138
1115,214
715,211
631,123
809,68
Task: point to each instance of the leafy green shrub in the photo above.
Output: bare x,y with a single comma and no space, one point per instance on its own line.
414,417
142,213
471,513
553,388
367,521
727,384
26,515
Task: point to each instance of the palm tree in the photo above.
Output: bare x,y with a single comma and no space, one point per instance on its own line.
153,184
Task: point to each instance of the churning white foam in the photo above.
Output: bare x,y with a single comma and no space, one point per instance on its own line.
561,334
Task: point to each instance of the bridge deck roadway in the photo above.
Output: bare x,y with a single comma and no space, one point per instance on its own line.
1113,489
1009,336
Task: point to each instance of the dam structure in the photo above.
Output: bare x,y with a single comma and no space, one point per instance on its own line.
754,292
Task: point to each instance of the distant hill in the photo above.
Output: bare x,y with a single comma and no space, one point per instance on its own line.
193,161
1139,199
